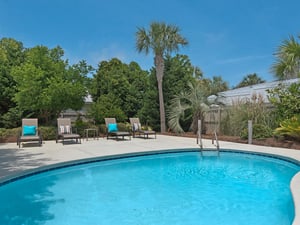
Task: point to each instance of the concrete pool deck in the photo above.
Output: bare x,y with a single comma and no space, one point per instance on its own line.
14,160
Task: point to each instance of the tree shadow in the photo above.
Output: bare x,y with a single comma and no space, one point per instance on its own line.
26,200
15,160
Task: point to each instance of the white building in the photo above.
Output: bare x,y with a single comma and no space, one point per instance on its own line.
245,93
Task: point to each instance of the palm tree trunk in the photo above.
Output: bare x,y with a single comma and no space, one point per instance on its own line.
159,65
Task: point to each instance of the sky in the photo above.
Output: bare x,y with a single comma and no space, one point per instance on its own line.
227,38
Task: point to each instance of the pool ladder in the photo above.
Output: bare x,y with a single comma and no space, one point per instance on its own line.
215,141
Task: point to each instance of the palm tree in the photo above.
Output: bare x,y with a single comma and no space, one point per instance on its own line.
287,63
217,84
250,79
187,104
162,39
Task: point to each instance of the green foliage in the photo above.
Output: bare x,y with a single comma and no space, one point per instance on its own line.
6,133
12,118
285,100
259,132
149,114
46,84
106,106
215,85
80,125
289,128
250,79
48,132
11,55
187,104
178,73
102,129
235,118
162,39
287,63
127,83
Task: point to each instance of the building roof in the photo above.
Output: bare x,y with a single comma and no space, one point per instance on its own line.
245,93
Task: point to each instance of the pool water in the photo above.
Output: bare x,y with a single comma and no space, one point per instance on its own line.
173,188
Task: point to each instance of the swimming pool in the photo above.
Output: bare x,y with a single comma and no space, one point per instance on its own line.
169,188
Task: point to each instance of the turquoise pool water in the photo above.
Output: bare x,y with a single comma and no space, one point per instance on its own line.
175,188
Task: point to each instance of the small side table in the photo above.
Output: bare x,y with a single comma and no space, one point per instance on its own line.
94,132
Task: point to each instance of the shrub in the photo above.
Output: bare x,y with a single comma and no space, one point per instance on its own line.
80,125
48,132
235,118
259,131
5,133
289,128
102,129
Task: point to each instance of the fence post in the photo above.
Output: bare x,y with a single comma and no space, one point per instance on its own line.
250,131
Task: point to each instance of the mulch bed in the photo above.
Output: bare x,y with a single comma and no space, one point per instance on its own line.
271,142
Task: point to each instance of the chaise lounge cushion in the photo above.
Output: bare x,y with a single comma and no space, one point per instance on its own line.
136,126
65,129
29,130
112,127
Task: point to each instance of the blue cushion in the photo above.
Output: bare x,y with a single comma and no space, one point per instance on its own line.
112,127
29,130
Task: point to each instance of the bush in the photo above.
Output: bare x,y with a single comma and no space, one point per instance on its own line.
48,133
80,125
235,118
7,133
289,128
259,132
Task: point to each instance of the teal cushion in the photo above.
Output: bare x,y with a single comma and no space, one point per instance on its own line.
112,127
29,130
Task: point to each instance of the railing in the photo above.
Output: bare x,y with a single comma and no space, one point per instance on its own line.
199,137
214,139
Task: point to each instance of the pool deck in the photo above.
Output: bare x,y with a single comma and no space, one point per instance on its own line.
14,160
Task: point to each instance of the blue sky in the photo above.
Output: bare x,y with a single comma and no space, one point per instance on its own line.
228,38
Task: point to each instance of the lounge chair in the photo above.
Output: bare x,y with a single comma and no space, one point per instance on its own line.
65,131
113,131
137,129
30,132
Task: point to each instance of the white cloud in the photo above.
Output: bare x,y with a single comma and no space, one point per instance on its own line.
214,38
107,53
242,59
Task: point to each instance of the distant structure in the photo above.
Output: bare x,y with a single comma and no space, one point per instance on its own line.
245,93
70,113
226,99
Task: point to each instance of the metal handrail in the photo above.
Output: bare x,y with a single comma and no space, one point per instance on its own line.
214,138
199,137
217,141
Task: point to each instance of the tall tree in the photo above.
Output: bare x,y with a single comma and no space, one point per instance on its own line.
162,39
178,73
124,82
287,63
250,79
216,85
11,55
47,85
